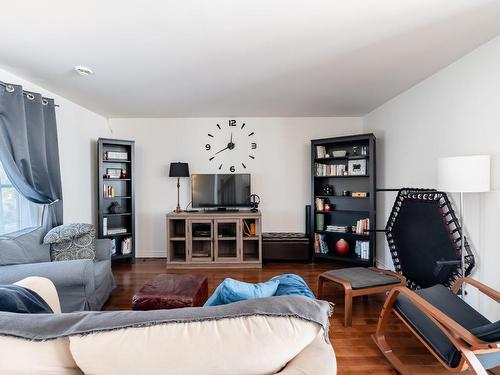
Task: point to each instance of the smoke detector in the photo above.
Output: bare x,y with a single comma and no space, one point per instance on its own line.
83,70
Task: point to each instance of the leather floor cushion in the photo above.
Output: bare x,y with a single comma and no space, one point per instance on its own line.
172,291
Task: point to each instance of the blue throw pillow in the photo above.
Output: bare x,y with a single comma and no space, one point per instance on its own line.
21,300
291,284
231,290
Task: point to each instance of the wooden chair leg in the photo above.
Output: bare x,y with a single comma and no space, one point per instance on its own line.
379,336
321,280
348,308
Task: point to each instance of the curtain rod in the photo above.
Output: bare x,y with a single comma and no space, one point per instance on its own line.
24,93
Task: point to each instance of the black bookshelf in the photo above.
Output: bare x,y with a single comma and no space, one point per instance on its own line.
344,211
119,189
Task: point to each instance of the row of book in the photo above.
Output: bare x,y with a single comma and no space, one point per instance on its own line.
362,226
126,246
320,245
321,152
330,169
362,249
109,191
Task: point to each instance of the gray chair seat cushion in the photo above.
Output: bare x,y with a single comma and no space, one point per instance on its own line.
24,246
458,310
360,277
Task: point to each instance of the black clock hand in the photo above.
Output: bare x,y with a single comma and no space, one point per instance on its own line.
224,149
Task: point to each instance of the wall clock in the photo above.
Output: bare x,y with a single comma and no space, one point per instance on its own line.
231,146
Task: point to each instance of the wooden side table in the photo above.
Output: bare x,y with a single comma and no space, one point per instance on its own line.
359,281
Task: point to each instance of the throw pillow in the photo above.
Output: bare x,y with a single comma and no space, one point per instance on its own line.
231,290
72,241
17,299
291,284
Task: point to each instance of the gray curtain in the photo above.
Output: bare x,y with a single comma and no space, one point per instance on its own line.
29,150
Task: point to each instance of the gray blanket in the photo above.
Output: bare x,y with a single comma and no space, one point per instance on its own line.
41,327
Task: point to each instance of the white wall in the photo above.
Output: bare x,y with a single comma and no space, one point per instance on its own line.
78,128
280,172
454,112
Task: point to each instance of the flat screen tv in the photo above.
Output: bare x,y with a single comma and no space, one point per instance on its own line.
220,190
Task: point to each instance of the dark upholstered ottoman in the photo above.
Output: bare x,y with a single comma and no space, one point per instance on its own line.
171,291
285,246
359,281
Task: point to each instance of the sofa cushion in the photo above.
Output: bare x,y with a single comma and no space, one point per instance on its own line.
251,345
231,290
72,241
16,299
37,357
25,246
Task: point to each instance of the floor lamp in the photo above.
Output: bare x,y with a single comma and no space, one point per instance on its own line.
464,174
178,170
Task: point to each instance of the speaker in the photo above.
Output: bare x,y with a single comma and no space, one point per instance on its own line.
308,220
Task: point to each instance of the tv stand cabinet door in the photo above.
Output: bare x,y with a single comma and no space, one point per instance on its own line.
227,239
200,240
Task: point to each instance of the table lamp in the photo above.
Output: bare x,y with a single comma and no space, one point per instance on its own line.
178,170
464,174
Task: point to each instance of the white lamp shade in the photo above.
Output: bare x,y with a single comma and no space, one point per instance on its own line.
464,174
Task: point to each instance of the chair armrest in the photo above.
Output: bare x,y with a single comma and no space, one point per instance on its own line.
45,289
103,249
317,358
490,292
61,273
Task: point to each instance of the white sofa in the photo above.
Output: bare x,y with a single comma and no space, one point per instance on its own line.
249,345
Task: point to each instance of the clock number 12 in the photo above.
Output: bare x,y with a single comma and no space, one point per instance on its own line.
232,122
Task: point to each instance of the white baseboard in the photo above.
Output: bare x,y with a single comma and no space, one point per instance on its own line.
151,254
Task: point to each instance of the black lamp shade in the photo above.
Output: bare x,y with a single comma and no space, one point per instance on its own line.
179,170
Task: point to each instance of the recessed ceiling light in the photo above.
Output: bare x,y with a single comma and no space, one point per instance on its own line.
83,70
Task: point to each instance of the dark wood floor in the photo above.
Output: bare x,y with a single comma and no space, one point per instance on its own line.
356,352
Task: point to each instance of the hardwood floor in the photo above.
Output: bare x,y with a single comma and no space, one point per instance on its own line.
356,353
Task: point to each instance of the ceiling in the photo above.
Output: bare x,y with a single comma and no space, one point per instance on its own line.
249,58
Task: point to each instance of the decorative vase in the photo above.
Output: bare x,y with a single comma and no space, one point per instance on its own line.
342,247
320,222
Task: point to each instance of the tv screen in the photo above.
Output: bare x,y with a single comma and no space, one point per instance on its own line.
220,190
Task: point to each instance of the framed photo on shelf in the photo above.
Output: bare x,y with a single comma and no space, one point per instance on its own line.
114,172
356,167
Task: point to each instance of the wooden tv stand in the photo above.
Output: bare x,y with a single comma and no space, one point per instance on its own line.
215,239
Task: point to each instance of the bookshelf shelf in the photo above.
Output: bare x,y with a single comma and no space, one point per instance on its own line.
114,161
346,210
352,176
123,190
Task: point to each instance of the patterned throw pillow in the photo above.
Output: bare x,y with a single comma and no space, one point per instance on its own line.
72,241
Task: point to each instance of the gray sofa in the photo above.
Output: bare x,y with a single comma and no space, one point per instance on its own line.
81,284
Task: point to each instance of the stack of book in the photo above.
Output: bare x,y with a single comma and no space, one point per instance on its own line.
362,226
320,245
113,231
337,228
362,249
320,152
330,169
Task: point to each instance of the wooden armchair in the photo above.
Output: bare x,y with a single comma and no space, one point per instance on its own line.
456,334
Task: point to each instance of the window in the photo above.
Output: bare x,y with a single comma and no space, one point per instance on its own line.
16,212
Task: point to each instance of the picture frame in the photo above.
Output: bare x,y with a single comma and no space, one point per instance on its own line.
356,167
114,172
